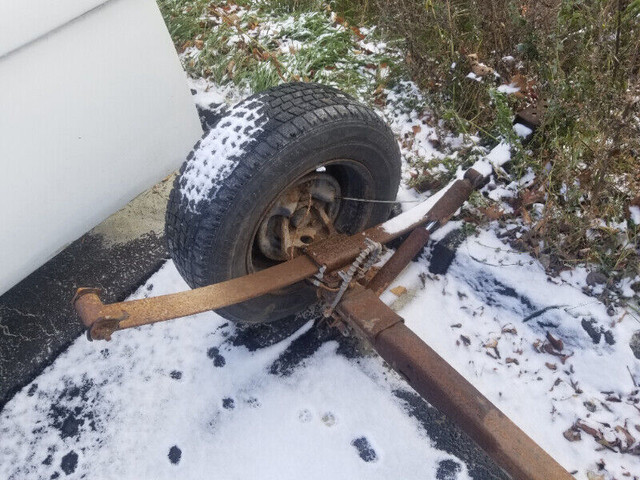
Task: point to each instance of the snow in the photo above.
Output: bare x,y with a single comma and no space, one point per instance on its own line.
489,290
522,130
634,211
219,150
500,154
414,215
233,409
474,77
510,88
198,387
121,407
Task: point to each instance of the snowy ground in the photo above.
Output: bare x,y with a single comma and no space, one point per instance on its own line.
201,398
194,396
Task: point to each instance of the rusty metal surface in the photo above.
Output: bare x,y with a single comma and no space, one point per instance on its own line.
399,260
457,194
303,214
331,254
442,386
532,116
155,309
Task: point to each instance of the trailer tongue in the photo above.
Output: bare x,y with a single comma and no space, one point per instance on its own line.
338,267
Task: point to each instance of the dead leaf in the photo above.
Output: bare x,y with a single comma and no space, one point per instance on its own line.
589,430
551,366
358,33
512,360
416,129
493,343
465,340
230,66
199,44
492,212
509,329
555,342
399,290
572,435
536,345
480,69
628,437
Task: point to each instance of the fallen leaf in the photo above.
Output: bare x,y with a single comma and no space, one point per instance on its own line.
589,430
509,329
512,360
358,33
399,290
416,129
492,212
572,435
465,340
493,343
551,366
629,438
230,66
555,342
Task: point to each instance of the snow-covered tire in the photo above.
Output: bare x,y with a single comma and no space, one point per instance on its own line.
259,148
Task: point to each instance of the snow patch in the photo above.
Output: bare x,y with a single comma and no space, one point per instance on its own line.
635,214
511,88
522,130
217,153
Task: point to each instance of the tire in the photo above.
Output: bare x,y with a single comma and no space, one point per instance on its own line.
237,172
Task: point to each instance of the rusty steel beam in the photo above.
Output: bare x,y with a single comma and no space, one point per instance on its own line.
442,386
327,255
399,260
102,320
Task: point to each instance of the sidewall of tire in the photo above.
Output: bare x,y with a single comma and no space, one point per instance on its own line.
342,140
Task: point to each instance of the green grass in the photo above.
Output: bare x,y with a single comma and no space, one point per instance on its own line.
327,51
583,57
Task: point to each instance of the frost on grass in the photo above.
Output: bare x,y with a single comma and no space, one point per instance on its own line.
215,156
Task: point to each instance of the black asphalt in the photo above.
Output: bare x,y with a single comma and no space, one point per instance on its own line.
37,321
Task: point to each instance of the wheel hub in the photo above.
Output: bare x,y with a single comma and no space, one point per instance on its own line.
304,213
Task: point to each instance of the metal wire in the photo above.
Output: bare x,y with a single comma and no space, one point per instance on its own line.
364,200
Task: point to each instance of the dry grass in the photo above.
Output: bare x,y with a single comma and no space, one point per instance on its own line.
583,57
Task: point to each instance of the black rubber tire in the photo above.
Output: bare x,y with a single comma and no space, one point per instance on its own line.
212,216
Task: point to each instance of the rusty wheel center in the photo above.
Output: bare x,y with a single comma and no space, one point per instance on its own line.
304,213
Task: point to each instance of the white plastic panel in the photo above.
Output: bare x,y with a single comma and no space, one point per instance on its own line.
22,21
90,115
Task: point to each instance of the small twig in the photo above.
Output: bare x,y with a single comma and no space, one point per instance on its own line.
364,200
632,377
540,312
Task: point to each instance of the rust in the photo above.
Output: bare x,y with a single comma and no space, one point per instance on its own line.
532,116
442,386
399,260
456,195
362,310
166,307
330,254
